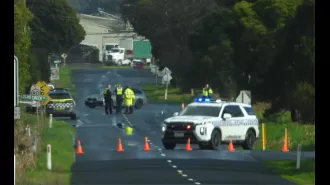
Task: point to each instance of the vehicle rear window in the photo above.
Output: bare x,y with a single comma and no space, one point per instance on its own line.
60,96
249,111
136,91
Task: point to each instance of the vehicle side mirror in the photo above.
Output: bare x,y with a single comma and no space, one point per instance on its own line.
226,116
175,114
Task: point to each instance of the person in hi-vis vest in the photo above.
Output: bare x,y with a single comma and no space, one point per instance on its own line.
119,98
128,100
207,91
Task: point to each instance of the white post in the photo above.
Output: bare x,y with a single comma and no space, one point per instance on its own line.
50,120
14,169
298,156
49,157
29,130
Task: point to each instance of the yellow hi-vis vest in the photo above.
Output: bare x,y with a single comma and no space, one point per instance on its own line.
119,91
207,92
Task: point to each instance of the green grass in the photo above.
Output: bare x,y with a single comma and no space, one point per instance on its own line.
65,80
156,93
297,133
60,139
287,169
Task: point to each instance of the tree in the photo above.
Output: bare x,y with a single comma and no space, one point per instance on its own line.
22,41
55,26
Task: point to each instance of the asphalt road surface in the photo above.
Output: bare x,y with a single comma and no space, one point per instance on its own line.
101,164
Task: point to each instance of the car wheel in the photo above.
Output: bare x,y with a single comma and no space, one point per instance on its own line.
138,103
250,139
215,140
169,146
73,117
92,106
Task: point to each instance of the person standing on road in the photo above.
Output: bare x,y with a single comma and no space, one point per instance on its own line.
207,91
107,100
119,98
128,100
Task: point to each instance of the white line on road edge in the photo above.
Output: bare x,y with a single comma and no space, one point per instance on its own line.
50,120
14,169
49,157
298,156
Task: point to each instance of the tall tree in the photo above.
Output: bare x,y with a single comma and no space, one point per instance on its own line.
55,26
22,41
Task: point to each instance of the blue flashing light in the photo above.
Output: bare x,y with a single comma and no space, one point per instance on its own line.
202,100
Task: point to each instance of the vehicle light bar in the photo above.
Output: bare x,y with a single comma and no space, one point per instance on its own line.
202,100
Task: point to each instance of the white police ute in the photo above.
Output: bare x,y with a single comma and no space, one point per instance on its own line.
210,124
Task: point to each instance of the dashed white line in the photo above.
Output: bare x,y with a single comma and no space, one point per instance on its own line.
180,172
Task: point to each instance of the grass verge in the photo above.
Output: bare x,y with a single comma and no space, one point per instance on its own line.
60,138
275,124
287,169
65,80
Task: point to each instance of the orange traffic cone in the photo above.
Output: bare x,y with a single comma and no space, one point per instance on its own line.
285,146
230,145
182,105
79,149
120,146
146,145
188,148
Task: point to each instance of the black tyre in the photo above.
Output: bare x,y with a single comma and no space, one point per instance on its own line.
138,103
92,106
250,139
73,117
215,140
169,146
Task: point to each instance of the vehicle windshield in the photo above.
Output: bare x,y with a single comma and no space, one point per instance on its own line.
109,47
114,50
60,95
201,111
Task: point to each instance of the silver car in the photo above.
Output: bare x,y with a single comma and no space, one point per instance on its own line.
97,99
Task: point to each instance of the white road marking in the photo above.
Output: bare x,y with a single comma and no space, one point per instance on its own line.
180,172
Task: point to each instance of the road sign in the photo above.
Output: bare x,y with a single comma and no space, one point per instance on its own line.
44,90
166,79
32,97
16,80
17,113
244,97
54,75
64,55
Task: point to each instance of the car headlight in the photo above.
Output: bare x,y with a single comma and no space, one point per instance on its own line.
164,127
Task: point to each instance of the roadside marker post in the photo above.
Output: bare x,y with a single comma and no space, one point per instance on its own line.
49,157
263,136
298,156
50,120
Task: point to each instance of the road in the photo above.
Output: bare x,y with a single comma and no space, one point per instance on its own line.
101,164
